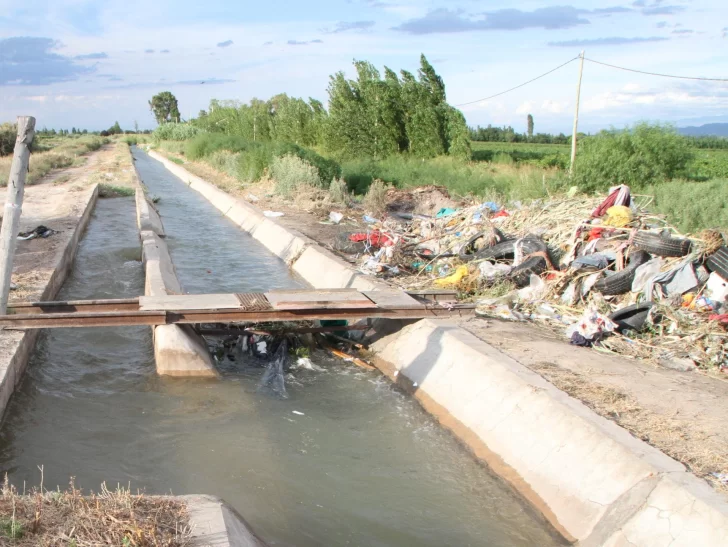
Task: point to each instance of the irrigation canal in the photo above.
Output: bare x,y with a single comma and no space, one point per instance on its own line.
347,459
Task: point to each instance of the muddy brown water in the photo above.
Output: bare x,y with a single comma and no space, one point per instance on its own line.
347,459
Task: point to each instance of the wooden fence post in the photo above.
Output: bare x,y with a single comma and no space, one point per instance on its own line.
14,205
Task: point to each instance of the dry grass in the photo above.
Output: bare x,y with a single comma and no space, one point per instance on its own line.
66,152
701,453
54,518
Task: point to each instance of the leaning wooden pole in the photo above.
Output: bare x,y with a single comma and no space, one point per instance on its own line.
576,116
14,205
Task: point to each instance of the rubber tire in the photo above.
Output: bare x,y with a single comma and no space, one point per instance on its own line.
661,246
621,282
632,317
425,256
466,257
521,274
718,262
343,244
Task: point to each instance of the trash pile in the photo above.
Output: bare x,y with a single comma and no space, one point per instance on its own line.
280,350
603,270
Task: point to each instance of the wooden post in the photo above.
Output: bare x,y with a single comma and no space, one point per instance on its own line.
576,116
14,205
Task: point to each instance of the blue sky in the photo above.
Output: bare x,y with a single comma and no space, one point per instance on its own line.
89,63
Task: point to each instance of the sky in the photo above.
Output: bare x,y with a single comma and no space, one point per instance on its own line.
84,63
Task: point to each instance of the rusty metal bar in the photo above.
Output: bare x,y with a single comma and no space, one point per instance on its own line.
135,317
71,306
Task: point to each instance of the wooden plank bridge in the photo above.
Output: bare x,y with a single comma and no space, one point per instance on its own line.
272,306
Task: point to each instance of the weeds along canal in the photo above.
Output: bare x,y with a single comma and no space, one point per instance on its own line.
346,460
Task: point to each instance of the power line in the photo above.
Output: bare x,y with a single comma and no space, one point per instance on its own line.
657,74
520,85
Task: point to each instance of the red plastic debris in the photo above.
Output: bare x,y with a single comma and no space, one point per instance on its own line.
375,238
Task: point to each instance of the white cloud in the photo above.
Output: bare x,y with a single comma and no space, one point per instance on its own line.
554,107
525,108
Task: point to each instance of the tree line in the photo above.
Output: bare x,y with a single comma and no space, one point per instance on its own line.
508,134
371,115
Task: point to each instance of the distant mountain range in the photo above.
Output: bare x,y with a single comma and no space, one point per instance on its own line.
708,129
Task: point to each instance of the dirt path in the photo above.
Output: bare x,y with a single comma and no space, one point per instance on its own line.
57,202
684,414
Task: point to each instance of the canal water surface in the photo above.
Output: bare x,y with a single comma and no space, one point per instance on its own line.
347,459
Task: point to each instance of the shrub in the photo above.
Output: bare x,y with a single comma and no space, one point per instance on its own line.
225,161
175,132
204,144
693,206
291,173
375,199
8,133
639,156
339,192
255,158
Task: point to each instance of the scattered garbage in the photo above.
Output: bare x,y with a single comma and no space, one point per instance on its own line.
39,231
650,289
335,217
272,214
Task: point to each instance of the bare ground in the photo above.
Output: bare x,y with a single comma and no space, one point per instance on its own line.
684,414
57,202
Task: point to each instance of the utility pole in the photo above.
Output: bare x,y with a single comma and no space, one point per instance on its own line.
576,115
14,205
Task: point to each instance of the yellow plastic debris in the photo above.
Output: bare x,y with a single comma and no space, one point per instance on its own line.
618,216
453,279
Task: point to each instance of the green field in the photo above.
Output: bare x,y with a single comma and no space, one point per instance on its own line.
694,199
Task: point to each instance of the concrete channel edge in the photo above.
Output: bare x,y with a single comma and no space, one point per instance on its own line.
11,374
590,479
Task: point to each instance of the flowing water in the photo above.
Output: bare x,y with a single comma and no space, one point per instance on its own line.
347,459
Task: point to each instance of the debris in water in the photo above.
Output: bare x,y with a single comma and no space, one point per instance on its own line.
297,413
273,379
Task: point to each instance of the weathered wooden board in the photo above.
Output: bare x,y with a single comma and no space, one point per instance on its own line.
393,299
177,302
305,299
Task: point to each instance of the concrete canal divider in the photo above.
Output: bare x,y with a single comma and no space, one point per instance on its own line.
593,481
178,349
18,345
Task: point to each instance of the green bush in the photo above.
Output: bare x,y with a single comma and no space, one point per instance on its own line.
693,206
640,156
458,177
255,158
339,192
8,134
175,132
291,173
205,144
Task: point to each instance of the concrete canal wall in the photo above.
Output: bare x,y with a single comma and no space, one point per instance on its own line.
17,345
593,481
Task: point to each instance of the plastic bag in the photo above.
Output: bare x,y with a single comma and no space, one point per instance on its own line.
453,279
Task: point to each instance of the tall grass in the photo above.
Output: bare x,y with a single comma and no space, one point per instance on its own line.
460,178
693,206
255,159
